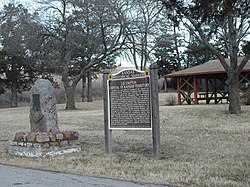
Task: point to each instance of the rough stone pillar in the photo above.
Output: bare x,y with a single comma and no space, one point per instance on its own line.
43,113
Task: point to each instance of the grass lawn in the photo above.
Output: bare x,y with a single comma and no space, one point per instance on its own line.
200,146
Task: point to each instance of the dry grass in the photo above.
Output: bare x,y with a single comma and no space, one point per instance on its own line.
200,146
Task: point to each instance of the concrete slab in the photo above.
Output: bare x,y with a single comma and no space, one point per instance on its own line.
40,151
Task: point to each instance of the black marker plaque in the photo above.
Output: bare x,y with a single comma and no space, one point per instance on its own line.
129,100
36,102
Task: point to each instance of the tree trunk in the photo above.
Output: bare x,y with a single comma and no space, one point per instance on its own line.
176,47
90,95
84,88
233,74
70,97
14,94
233,88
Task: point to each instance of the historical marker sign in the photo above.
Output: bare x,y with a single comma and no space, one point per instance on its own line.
129,100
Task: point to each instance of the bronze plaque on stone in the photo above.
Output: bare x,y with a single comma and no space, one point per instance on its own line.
36,102
129,100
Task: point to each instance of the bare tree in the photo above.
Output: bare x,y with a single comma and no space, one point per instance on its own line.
82,35
142,30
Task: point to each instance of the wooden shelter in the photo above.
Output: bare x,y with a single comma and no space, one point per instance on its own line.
207,82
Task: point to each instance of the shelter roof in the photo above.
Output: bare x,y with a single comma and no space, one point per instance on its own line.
208,68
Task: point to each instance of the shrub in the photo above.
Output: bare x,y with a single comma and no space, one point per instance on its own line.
171,101
60,95
5,100
246,98
22,99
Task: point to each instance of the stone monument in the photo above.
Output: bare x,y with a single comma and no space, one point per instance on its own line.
44,138
43,114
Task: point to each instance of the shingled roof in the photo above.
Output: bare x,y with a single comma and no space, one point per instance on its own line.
208,68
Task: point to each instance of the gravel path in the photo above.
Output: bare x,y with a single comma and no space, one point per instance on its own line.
16,176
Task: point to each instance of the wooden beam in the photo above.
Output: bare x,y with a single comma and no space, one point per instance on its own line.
179,90
244,77
195,92
207,100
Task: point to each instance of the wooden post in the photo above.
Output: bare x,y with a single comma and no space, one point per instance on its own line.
195,91
155,109
215,91
107,131
188,98
179,90
207,99
165,84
